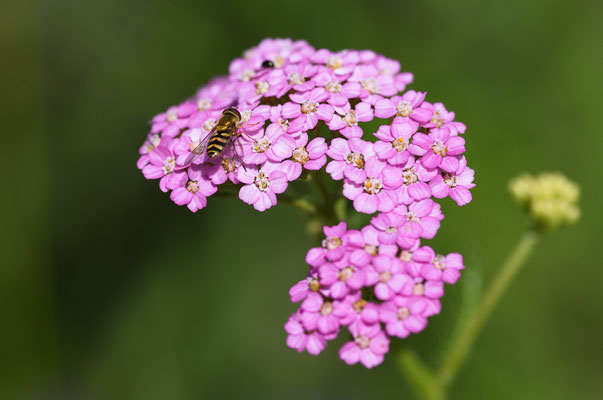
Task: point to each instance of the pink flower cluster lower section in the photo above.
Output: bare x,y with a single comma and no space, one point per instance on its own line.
378,283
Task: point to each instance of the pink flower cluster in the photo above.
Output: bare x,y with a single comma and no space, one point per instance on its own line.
303,109
378,283
300,107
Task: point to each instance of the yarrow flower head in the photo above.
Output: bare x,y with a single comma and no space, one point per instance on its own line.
549,198
301,114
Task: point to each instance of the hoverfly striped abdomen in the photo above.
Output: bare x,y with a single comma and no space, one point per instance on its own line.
225,127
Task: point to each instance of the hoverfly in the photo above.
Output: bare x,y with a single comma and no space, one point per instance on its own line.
217,139
226,127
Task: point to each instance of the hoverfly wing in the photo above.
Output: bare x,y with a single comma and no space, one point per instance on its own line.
199,149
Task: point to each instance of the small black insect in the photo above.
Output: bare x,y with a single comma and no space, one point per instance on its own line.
267,64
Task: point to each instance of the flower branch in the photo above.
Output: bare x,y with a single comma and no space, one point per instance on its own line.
550,201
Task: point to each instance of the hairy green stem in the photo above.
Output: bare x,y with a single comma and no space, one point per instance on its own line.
341,209
419,376
324,189
432,386
459,349
300,203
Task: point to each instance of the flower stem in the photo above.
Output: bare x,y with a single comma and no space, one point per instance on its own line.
327,210
459,349
299,203
419,376
323,188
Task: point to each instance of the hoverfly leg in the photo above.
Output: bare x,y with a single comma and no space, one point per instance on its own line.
242,132
234,148
248,137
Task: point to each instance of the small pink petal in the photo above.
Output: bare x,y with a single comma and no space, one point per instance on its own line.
385,108
316,344
365,203
431,160
297,342
249,194
370,359
350,353
461,195
449,164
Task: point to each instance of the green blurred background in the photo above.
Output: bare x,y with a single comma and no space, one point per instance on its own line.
110,291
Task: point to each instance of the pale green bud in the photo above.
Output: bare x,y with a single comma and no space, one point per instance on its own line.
549,198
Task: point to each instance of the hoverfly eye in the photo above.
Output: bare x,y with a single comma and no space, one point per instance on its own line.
235,111
267,64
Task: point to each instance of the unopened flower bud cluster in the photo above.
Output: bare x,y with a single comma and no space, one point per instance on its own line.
550,198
